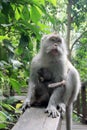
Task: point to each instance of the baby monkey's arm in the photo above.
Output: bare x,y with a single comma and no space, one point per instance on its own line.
63,82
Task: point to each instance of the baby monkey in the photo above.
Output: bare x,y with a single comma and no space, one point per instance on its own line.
42,91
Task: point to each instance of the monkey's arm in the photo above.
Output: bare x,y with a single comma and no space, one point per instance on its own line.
63,82
30,95
32,82
55,101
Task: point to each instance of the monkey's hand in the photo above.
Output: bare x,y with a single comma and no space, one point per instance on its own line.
52,111
26,105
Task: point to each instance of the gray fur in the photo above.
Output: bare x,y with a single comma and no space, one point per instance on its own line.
61,68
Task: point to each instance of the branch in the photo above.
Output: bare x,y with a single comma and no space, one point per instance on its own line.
63,82
77,39
80,115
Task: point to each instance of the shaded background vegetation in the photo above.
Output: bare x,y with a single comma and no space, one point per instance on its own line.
22,23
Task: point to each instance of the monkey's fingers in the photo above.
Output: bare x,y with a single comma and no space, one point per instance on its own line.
49,112
46,111
25,106
55,114
52,111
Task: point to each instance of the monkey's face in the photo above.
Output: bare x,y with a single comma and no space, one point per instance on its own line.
53,44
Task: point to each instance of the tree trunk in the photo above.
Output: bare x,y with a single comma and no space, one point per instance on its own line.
69,7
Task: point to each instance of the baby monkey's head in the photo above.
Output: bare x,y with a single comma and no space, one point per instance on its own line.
44,75
53,44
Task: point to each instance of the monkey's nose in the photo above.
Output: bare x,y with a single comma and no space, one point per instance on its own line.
55,44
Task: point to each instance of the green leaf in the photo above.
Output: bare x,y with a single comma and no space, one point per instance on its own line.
3,37
19,51
2,18
35,14
3,116
54,2
15,84
26,13
39,2
45,28
2,125
17,15
9,107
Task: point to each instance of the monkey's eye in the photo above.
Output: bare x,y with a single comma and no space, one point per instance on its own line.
59,40
55,39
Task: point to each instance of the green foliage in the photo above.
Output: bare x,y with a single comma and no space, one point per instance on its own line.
80,60
8,116
21,28
76,118
79,11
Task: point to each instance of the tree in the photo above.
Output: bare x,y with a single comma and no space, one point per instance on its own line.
76,21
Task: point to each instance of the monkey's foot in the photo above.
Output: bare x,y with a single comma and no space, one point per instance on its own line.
52,111
26,105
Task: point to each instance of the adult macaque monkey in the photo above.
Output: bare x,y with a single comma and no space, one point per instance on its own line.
53,56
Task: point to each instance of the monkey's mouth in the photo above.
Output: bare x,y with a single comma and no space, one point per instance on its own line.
54,52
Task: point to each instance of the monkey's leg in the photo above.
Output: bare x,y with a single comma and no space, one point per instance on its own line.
55,99
69,117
